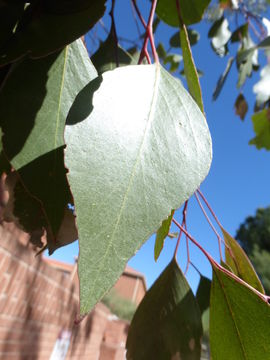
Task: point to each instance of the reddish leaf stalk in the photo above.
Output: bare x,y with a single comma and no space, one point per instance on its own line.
212,226
188,253
134,3
180,233
149,36
218,266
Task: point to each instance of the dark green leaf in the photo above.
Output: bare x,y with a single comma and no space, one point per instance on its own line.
261,125
130,166
191,11
34,104
190,69
203,293
167,324
174,61
161,51
239,321
193,37
162,233
240,263
222,79
44,30
240,33
109,55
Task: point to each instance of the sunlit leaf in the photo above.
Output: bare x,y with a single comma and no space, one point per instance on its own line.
247,60
129,166
162,233
191,11
167,324
220,35
262,87
239,321
53,26
34,105
240,263
261,125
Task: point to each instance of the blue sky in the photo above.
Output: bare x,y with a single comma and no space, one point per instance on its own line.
239,178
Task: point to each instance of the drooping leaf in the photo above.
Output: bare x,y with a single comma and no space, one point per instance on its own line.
45,29
109,55
193,37
34,104
262,87
190,69
239,321
162,233
130,166
261,125
240,33
220,35
203,293
240,263
241,106
167,324
161,51
247,62
222,78
191,11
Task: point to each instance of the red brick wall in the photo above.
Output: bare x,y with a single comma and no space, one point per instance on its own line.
37,301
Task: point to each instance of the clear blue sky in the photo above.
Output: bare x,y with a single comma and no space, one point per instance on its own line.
238,182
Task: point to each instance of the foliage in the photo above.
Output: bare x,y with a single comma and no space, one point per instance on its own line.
254,237
106,149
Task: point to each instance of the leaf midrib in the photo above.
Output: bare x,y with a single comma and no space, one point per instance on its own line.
147,127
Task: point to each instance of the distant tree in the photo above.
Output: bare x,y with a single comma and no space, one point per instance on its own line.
254,236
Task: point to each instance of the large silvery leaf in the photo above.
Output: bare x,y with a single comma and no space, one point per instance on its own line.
49,27
33,108
239,321
191,11
138,150
238,261
167,324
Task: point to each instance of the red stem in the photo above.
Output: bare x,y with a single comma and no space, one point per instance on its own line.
180,233
218,266
212,226
139,14
209,207
188,253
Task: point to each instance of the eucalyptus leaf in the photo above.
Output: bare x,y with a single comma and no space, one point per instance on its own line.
167,324
129,166
34,104
191,11
238,261
193,37
220,35
110,55
261,125
162,233
239,321
203,293
241,106
222,78
49,28
262,87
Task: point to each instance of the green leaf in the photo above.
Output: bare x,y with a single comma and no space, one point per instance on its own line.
34,104
247,60
161,51
190,69
43,31
130,166
203,293
167,324
261,125
220,35
193,37
222,78
108,54
239,321
174,61
162,233
191,11
240,33
238,261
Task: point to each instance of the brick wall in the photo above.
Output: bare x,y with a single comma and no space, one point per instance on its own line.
37,302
